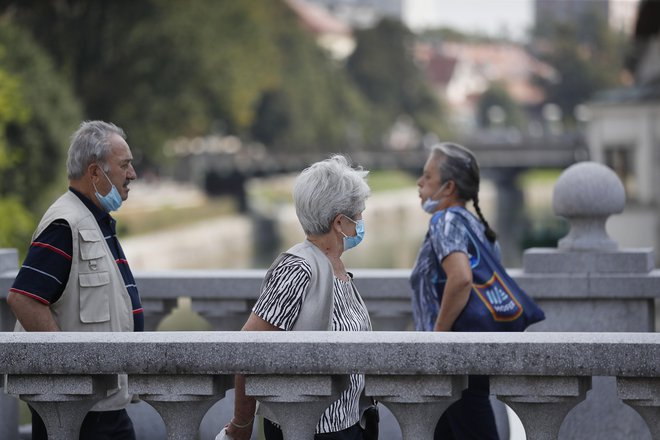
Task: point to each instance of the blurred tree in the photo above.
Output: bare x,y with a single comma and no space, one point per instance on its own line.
38,112
166,68
383,67
316,107
496,98
588,58
158,68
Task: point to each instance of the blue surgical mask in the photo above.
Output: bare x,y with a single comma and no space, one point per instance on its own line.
111,201
351,242
430,205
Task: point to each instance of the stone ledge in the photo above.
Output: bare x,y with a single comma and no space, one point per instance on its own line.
388,353
555,261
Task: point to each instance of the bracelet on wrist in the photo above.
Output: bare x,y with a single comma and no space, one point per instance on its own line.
238,426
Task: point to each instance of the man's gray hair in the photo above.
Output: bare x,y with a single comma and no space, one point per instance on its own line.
90,144
326,189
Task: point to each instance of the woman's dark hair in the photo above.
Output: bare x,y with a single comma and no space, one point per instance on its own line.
459,164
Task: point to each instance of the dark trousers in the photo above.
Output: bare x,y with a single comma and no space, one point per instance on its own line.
106,425
471,417
272,432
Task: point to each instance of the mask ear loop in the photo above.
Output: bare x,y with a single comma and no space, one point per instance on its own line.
354,222
107,178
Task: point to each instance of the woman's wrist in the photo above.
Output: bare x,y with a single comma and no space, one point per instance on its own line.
235,423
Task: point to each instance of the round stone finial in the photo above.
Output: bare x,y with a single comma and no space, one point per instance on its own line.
586,194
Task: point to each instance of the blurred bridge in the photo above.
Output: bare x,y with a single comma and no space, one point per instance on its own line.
222,166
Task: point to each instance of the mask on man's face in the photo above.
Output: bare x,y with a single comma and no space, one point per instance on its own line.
430,205
111,201
351,242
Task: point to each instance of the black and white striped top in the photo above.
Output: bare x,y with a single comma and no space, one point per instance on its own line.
279,304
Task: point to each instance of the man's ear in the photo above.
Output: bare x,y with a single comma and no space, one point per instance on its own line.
93,170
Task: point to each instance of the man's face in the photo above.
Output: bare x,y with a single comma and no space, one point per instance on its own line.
121,171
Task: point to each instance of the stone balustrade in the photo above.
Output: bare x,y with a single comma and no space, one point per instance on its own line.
542,376
585,285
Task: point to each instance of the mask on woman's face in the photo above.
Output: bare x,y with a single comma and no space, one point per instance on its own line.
430,205
351,242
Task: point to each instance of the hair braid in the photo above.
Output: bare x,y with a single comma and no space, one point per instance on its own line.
490,234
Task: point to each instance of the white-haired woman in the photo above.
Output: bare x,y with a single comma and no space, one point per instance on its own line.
329,197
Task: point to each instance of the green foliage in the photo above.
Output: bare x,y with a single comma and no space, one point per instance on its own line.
37,114
384,69
16,224
166,68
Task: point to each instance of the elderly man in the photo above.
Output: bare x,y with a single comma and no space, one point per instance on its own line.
75,276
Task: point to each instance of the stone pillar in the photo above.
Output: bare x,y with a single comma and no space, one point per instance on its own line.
8,263
155,310
510,221
643,394
541,402
224,315
417,402
62,401
182,401
295,402
8,404
588,284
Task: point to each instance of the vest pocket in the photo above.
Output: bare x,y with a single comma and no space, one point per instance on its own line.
91,244
94,297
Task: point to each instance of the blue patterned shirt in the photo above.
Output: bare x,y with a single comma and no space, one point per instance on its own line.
446,234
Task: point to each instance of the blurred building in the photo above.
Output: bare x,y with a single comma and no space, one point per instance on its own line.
461,72
624,133
620,14
331,33
363,13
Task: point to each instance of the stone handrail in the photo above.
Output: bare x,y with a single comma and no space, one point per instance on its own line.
542,376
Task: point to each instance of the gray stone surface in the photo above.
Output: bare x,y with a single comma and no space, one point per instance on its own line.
555,261
8,260
587,193
567,354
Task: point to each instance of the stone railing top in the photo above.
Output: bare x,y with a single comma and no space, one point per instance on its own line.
381,353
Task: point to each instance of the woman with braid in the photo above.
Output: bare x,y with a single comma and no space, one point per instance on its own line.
442,276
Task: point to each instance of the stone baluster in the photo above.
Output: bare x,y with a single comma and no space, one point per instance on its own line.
296,403
181,400
155,310
8,404
417,402
643,394
389,310
225,314
541,402
62,401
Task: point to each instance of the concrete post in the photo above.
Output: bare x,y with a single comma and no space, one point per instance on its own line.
296,403
644,396
417,402
61,401
541,402
588,284
182,401
8,404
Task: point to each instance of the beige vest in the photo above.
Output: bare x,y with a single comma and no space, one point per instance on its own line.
95,298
